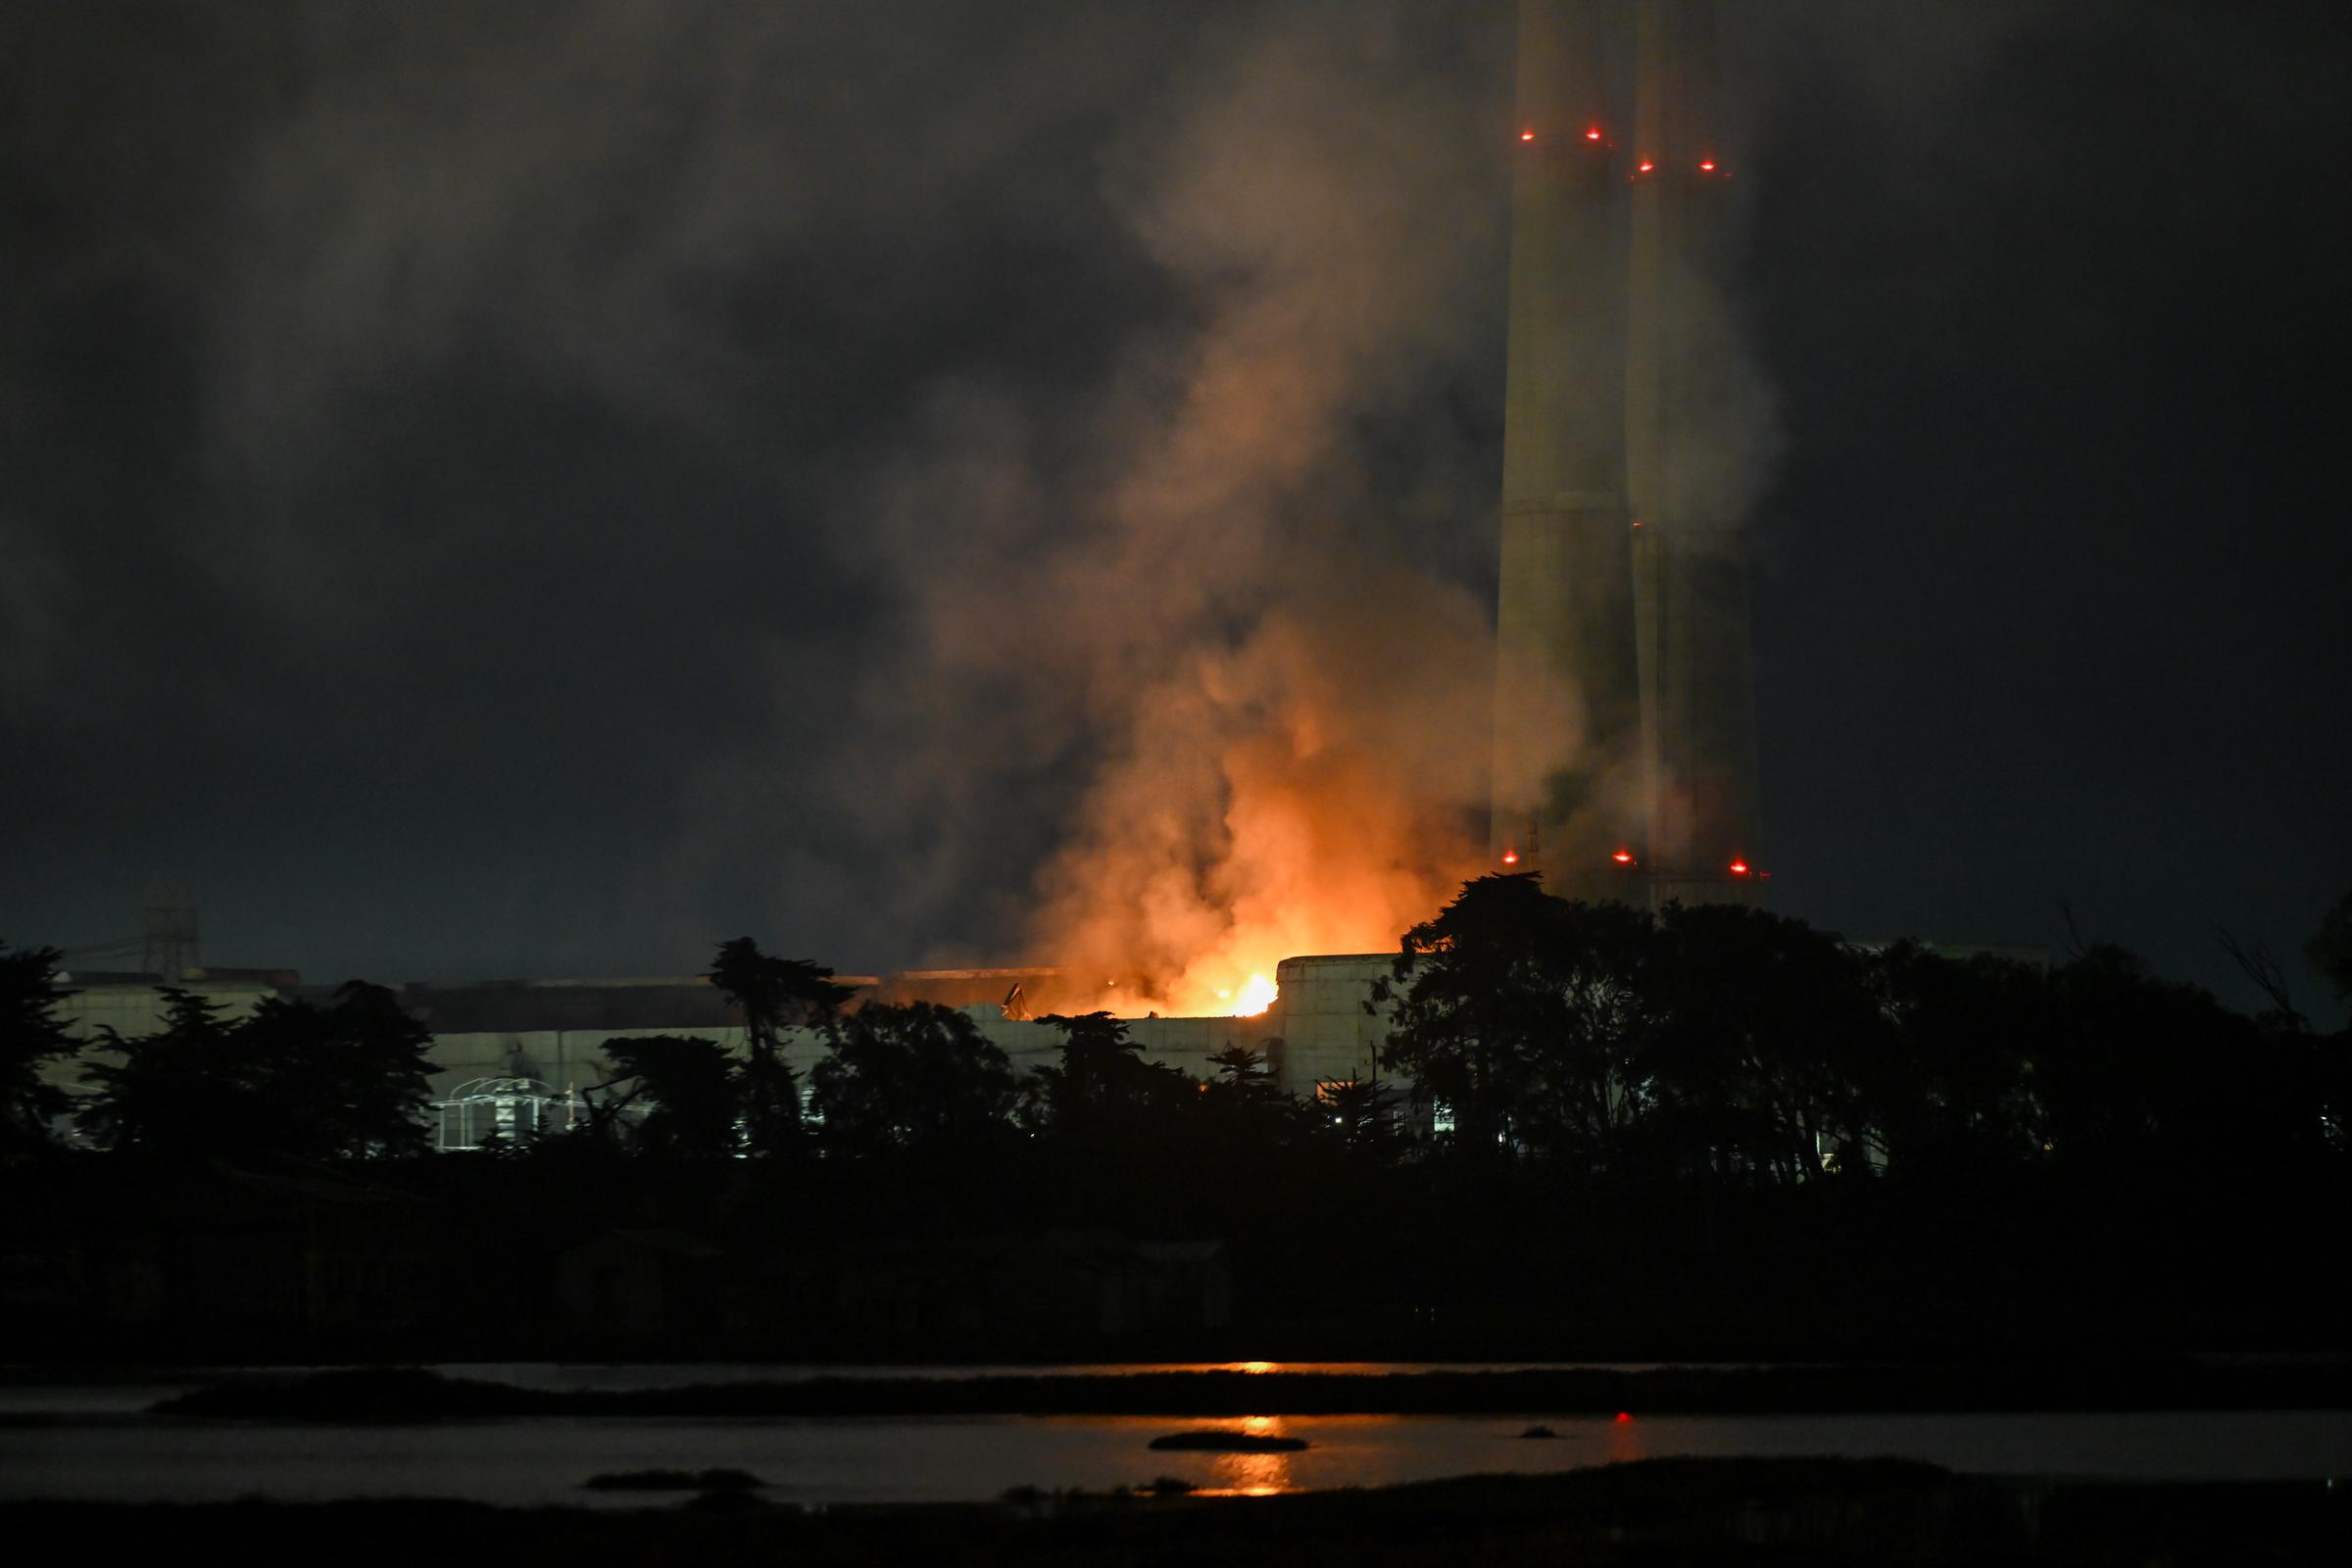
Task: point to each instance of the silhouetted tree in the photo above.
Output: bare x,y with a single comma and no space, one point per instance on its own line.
918,1078
1361,1116
1243,1072
1521,1012
186,1091
31,1036
1102,1080
1765,1047
2331,947
345,1080
777,996
293,1080
1242,1086
1959,1035
2134,1073
688,1093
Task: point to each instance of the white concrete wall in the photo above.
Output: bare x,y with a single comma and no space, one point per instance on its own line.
1325,1032
1316,1030
134,1011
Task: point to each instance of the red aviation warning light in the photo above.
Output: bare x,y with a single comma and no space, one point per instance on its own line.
1740,867
1623,856
1592,134
1510,857
1527,135
1706,166
1647,167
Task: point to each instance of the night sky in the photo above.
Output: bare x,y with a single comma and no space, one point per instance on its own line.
539,489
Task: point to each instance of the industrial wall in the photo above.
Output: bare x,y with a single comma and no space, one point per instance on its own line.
555,1031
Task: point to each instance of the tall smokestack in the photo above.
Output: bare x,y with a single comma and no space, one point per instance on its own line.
1699,729
1567,720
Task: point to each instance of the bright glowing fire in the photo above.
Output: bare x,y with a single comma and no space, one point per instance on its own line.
1264,806
1255,997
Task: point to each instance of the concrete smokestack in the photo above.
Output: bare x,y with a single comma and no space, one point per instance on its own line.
1698,732
1567,721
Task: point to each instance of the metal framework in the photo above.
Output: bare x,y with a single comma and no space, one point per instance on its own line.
507,1109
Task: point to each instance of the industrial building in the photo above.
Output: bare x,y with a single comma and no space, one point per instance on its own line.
513,1057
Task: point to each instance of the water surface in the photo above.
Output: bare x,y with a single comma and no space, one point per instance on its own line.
852,1460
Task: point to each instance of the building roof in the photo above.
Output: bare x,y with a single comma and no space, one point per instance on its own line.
517,1007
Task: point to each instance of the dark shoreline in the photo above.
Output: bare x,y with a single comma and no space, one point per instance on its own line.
414,1395
1652,1512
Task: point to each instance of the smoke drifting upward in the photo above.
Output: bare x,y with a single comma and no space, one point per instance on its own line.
1272,704
1303,791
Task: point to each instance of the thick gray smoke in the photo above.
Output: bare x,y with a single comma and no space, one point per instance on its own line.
1185,589
932,480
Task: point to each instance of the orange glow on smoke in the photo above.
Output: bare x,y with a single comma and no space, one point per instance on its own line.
1296,793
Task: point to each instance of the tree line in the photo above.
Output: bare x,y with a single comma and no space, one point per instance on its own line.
1714,1044
1722,1043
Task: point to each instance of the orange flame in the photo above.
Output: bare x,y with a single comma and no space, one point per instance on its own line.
1263,807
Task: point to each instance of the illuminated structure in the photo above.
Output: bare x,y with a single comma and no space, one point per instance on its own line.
1625,722
511,1058
505,1110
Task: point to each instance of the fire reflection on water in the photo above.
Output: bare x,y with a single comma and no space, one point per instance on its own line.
1346,1450
1624,1441
1254,1475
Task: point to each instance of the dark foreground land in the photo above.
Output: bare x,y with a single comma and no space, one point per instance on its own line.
1658,1513
412,1395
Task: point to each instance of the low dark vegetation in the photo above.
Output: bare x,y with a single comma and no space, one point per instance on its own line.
1713,1132
1665,1511
719,1480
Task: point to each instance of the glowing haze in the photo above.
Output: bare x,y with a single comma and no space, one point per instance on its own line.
1259,680
1302,792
